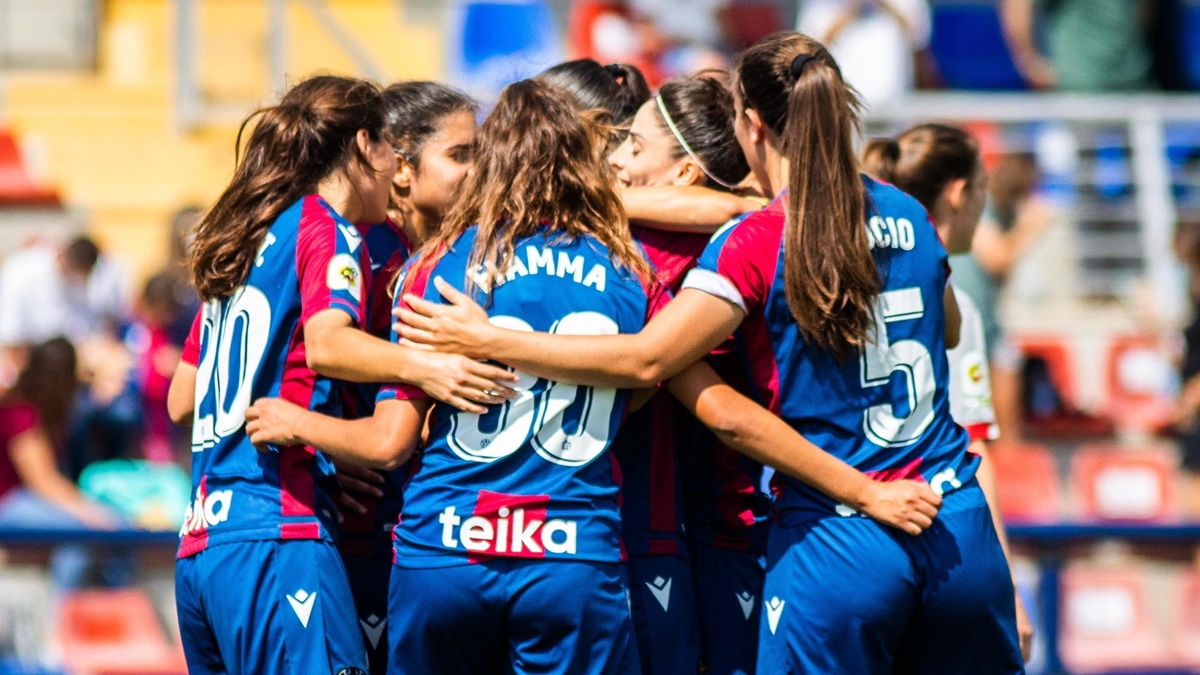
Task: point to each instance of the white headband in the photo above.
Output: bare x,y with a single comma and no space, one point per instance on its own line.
662,108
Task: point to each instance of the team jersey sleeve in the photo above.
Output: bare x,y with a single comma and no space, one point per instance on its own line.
417,285
329,265
971,383
191,346
736,263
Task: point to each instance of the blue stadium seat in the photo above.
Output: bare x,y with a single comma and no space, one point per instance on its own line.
1189,44
969,46
494,43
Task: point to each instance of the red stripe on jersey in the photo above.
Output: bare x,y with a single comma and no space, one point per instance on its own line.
663,513
300,531
191,346
910,471
663,547
297,493
978,432
195,539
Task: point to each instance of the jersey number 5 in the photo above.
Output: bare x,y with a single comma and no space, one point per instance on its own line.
543,417
881,358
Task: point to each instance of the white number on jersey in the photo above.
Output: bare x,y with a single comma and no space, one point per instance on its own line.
517,419
881,358
235,339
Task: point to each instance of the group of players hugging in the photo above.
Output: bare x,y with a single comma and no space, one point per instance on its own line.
425,388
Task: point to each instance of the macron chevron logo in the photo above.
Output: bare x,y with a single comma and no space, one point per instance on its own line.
774,611
661,589
373,628
302,604
746,600
353,239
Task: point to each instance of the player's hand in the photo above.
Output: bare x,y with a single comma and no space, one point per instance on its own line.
1024,629
464,383
357,483
906,505
274,421
460,327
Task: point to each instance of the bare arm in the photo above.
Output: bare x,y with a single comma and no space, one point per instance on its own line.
1016,17
181,397
953,317
998,251
33,458
689,327
336,349
383,441
684,208
753,431
986,476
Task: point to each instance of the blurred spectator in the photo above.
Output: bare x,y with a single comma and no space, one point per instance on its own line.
875,42
34,415
47,291
1091,45
1013,221
183,228
1187,411
155,358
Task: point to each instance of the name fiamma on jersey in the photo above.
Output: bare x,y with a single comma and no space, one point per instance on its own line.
511,532
891,233
564,266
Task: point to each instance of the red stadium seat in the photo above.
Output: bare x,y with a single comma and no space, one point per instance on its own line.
745,23
1027,482
1187,619
1138,396
1105,621
115,632
1118,483
16,187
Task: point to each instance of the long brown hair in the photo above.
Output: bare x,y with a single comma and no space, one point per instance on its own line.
923,160
48,383
540,163
294,145
831,279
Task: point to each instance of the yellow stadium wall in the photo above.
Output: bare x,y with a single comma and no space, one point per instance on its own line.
109,141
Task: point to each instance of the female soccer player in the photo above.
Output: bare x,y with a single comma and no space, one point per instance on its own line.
840,289
432,128
278,262
940,165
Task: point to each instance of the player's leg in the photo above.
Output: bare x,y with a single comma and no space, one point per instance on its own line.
369,576
729,599
446,620
315,610
199,643
838,597
663,601
566,618
965,622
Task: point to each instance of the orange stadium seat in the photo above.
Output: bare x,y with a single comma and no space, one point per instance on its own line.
1187,619
1027,482
1117,483
1105,621
115,632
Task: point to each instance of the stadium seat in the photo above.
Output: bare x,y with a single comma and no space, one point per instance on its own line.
745,23
969,46
1187,618
495,43
1122,484
16,186
1139,377
1106,623
1026,482
115,632
1189,48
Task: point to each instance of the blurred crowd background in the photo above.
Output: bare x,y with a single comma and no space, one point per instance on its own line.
117,127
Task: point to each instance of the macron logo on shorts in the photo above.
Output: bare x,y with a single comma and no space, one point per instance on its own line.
746,600
302,603
661,589
373,628
774,611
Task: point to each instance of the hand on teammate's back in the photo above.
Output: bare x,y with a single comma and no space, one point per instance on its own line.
273,421
357,482
464,383
459,327
906,505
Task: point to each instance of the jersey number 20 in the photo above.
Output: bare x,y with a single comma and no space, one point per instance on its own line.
881,358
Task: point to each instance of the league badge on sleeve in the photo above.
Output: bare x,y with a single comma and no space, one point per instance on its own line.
344,274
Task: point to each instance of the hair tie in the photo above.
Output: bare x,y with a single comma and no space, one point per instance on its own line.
616,72
662,108
798,64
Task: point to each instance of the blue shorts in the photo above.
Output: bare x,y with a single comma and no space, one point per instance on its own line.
663,599
511,616
729,595
369,576
848,595
267,608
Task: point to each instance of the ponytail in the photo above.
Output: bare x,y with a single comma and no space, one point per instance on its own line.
830,275
880,157
293,146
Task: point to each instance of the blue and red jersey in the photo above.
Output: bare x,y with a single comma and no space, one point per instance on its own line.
532,478
250,345
370,534
884,411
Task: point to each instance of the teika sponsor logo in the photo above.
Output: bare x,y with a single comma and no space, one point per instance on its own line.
206,510
508,525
